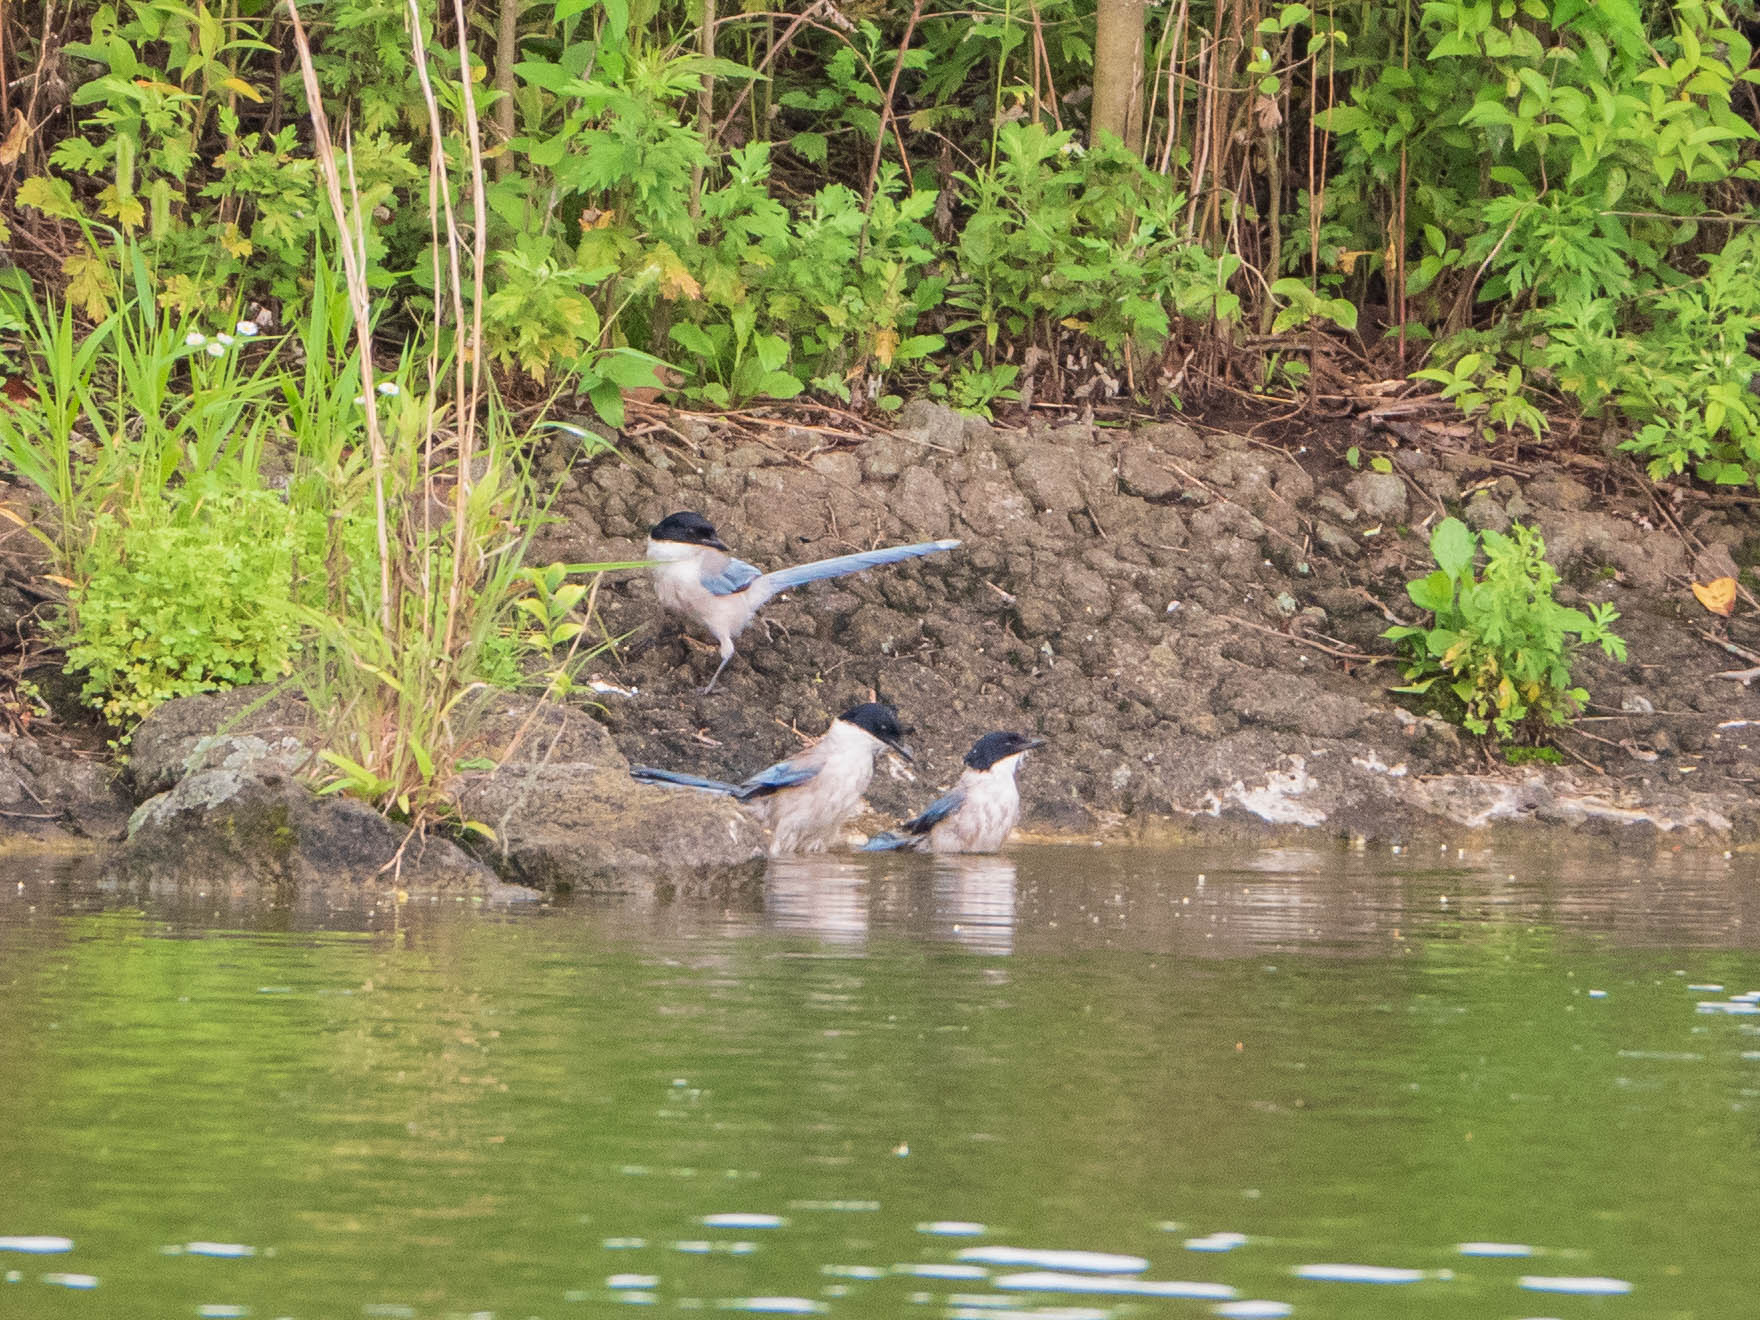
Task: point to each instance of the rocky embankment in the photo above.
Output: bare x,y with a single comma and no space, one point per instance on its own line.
1182,613
1188,616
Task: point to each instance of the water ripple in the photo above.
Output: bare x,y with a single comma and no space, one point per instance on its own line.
1087,1262
1577,1286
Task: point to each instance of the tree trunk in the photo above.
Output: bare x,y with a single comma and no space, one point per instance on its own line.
1118,72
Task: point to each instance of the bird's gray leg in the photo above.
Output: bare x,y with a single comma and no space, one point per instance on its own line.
726,655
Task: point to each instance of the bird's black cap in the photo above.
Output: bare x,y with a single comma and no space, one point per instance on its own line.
881,720
992,747
687,528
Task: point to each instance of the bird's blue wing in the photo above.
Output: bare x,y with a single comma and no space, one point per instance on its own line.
737,576
647,774
772,779
938,810
888,842
800,574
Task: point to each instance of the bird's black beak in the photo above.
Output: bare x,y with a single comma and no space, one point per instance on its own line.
897,743
715,543
1028,744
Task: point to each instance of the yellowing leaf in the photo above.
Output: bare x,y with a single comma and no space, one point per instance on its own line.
675,280
885,345
1718,596
126,209
235,243
16,140
243,88
89,283
50,196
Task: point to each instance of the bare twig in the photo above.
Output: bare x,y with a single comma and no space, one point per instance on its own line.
904,45
1355,657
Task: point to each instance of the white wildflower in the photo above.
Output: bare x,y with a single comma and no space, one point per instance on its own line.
245,329
360,401
389,389
224,340
194,339
216,350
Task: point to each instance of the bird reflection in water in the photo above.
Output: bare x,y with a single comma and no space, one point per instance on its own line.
974,901
964,899
817,895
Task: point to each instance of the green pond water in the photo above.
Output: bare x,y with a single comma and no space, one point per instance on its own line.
896,1087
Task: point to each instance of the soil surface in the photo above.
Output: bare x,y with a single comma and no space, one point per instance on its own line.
1188,613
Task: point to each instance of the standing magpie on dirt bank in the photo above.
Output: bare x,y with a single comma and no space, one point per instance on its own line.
806,799
979,813
696,577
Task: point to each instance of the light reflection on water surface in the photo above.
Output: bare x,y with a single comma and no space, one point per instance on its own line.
1066,1083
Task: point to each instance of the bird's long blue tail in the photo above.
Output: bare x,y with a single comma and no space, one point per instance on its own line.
801,574
647,774
887,842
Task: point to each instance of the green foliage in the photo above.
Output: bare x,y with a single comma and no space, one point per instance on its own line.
768,224
1064,239
1558,152
1687,379
199,605
1303,304
975,387
1498,642
1478,389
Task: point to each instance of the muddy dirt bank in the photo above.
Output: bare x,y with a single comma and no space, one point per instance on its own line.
1180,611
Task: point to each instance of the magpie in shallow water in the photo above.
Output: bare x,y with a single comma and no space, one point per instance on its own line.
806,799
980,811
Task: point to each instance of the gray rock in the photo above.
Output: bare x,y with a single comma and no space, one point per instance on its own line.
1051,477
1036,616
1439,483
1174,438
587,827
1143,475
228,827
1484,513
46,793
1381,496
247,726
932,423
564,809
567,815
1336,541
1560,492
1293,484
922,503
886,458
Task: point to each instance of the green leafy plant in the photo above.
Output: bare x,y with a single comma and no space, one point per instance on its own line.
975,386
1303,305
168,611
1480,390
1686,380
1498,642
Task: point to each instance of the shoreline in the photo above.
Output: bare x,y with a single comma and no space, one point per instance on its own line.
1191,618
